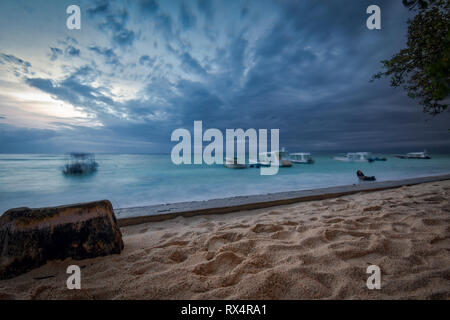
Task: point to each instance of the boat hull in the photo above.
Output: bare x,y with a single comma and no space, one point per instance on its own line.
399,156
79,169
282,163
235,166
345,159
286,163
302,162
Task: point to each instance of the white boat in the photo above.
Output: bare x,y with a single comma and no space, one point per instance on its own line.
301,157
233,163
414,155
266,159
354,157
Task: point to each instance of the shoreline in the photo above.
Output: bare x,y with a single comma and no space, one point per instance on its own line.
156,213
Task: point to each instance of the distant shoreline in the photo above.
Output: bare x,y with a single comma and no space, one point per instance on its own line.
153,213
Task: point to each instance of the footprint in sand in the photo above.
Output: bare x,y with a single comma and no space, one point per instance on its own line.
283,235
302,228
223,263
172,243
234,226
266,228
435,222
374,208
400,227
338,234
333,220
231,280
288,223
178,256
168,235
209,255
5,296
435,199
216,242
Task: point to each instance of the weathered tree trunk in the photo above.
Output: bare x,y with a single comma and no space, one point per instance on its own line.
31,237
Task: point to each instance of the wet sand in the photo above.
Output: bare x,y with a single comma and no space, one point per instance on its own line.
308,250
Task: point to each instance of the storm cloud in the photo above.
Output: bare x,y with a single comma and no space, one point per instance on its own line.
300,66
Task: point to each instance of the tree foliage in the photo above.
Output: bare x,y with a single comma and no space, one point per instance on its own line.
423,67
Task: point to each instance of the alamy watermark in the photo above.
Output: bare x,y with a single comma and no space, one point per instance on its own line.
374,280
188,151
374,20
74,280
74,20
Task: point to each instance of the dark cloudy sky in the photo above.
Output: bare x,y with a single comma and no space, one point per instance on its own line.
139,69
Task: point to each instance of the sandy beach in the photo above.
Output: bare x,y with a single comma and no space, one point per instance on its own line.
309,250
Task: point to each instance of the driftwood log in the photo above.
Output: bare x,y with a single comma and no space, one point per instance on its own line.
31,237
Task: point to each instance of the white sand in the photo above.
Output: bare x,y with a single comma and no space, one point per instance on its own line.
309,250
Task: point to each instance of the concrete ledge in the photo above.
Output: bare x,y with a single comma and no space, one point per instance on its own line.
138,215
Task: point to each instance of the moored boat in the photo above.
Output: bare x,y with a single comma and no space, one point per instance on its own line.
301,157
80,164
372,159
354,157
269,158
414,155
234,163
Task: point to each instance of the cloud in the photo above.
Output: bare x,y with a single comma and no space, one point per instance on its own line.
114,22
107,53
191,65
293,65
11,58
70,39
69,139
245,9
77,90
55,53
187,18
72,51
146,60
16,62
17,140
205,6
101,8
163,25
124,37
149,6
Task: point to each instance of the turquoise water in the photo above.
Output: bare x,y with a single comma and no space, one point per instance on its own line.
136,180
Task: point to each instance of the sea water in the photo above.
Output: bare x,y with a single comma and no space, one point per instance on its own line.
128,180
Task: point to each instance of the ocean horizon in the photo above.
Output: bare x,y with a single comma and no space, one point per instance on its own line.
130,180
